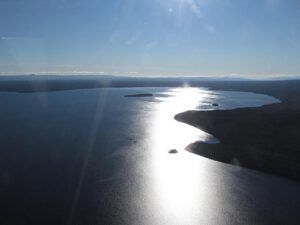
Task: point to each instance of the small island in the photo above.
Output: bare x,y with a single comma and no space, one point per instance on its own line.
139,95
173,151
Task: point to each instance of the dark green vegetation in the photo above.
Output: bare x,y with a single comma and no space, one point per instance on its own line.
264,138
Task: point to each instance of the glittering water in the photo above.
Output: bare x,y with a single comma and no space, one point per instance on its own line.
96,157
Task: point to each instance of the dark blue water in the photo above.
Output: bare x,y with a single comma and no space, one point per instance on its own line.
95,157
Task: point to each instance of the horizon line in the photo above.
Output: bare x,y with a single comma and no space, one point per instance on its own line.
206,76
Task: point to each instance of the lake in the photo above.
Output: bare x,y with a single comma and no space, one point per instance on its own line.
96,157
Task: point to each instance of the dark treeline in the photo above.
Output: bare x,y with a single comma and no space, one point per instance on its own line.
263,138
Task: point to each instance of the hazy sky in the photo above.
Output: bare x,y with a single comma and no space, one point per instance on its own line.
151,37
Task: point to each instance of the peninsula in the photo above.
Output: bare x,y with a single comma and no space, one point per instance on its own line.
264,138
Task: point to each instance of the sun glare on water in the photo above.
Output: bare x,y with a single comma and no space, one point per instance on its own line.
174,173
171,133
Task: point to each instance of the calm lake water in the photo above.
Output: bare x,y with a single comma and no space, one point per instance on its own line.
95,157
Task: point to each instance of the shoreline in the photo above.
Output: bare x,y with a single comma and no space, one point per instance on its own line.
49,85
262,138
251,141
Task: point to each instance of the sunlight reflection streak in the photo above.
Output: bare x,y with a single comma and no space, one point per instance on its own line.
177,189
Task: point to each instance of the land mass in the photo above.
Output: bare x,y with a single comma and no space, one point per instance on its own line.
139,95
263,138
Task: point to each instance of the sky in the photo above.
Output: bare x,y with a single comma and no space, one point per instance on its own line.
150,37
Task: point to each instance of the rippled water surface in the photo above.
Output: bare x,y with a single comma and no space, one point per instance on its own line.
108,156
